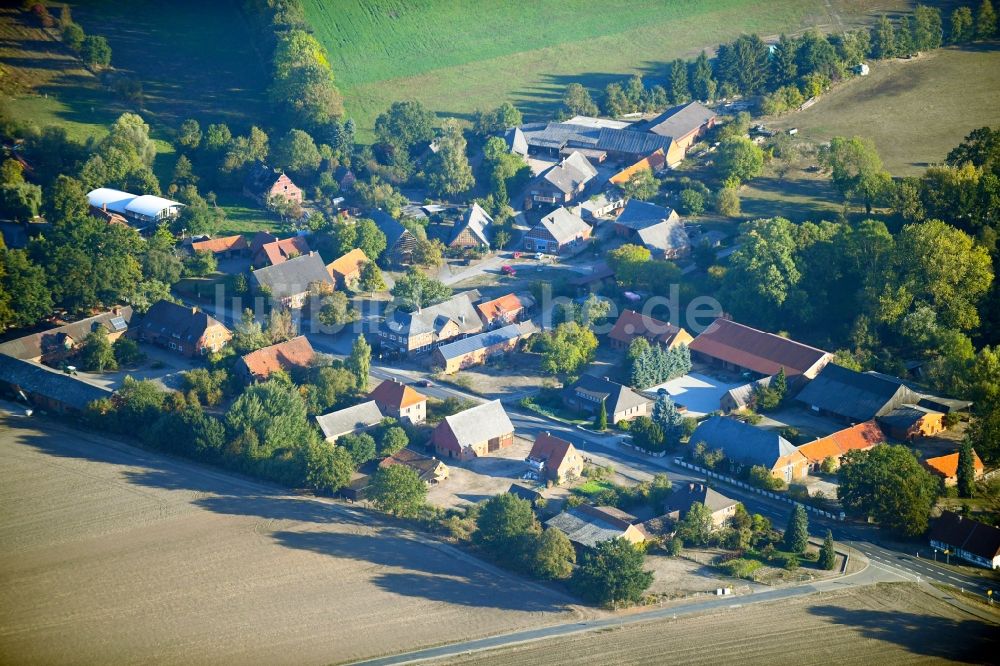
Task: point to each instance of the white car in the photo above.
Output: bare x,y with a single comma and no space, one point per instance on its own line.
540,256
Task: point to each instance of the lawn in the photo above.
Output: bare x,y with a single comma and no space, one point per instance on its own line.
456,59
915,110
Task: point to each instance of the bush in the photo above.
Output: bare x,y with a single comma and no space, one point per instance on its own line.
692,202
674,546
741,568
950,420
127,352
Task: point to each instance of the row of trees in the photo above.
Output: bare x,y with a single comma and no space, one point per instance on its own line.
94,50
651,364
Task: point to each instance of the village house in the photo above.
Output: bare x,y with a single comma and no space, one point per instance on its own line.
860,437
144,211
680,500
400,401
620,402
516,143
289,283
685,124
279,251
186,330
346,270
966,538
745,445
600,206
740,348
555,459
420,331
658,229
558,232
350,420
400,241
473,433
653,163
507,309
477,349
561,183
58,344
258,365
473,230
226,247
909,422
429,469
854,396
586,526
946,468
265,185
632,325
46,389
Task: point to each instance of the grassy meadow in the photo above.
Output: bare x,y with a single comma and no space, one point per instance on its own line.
456,58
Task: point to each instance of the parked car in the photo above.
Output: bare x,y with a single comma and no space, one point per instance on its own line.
423,383
516,255
507,269
539,255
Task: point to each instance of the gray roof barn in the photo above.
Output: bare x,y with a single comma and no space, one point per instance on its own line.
480,423
657,227
293,277
399,241
741,442
568,135
617,398
516,142
459,309
590,525
352,419
683,497
37,345
680,120
564,226
477,221
569,175
47,388
486,340
856,396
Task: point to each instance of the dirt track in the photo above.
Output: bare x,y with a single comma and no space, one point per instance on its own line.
884,624
110,555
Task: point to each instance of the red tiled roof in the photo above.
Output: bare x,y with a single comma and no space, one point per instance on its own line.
856,438
296,352
759,351
499,307
216,245
947,466
282,250
551,449
631,325
351,262
396,394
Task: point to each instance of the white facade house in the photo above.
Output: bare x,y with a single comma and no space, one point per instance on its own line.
142,209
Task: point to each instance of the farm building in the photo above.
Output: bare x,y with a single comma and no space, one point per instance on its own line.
908,422
399,240
632,325
516,143
258,365
685,124
400,401
288,284
420,331
227,246
264,184
185,330
740,398
473,230
59,343
654,163
656,228
741,348
968,539
679,503
280,251
507,309
748,446
142,211
346,270
586,526
561,183
350,420
946,467
557,232
555,459
600,206
525,493
621,402
598,139
860,437
46,389
430,470
473,433
854,396
477,349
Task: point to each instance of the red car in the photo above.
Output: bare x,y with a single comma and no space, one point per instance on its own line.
508,270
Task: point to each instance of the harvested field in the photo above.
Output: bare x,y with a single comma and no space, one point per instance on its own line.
883,624
915,110
109,555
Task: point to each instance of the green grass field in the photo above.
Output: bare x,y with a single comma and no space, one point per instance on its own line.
456,59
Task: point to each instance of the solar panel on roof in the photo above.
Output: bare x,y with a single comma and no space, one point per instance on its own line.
118,323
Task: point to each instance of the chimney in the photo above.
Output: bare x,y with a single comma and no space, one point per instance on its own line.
104,206
194,309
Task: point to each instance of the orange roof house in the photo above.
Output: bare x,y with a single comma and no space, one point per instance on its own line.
346,270
860,437
225,245
946,467
742,348
504,310
632,325
258,365
653,162
400,401
279,251
555,458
